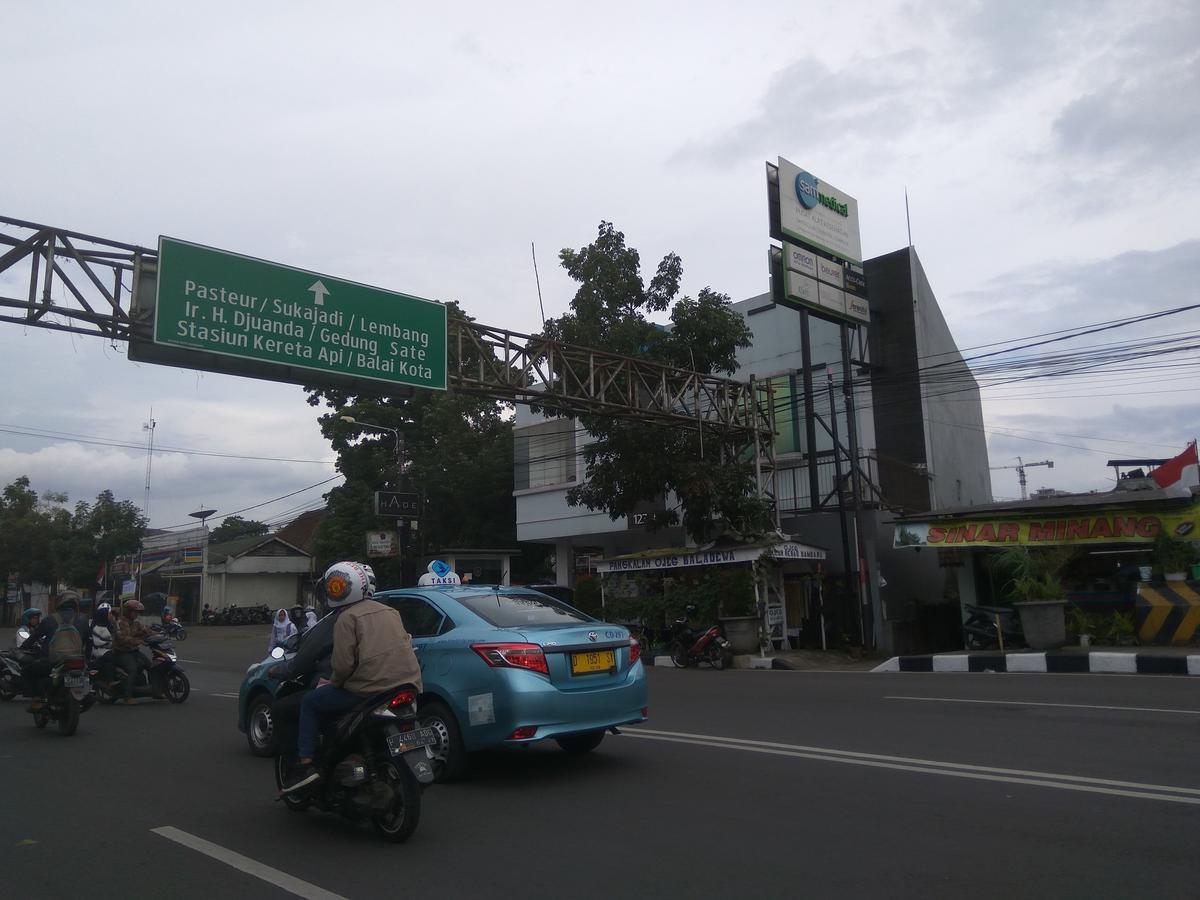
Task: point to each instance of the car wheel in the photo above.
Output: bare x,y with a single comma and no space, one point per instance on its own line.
449,756
260,729
576,744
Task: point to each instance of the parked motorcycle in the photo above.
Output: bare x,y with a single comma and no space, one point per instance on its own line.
374,760
688,646
161,678
69,696
980,630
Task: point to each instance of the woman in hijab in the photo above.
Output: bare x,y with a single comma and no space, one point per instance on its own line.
102,640
310,618
281,629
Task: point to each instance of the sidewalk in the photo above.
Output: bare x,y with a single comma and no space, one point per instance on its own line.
1077,660
795,660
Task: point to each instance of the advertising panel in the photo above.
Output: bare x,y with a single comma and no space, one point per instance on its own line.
815,213
1131,525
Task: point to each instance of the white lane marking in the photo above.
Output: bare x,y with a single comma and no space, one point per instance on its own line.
1151,709
234,696
245,864
930,766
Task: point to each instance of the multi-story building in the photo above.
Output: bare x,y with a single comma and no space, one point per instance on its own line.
920,444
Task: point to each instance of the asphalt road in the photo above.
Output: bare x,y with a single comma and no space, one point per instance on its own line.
744,783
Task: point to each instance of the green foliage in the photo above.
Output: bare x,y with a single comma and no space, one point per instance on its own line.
631,463
657,601
1173,555
1034,574
587,594
1113,628
42,540
235,527
459,455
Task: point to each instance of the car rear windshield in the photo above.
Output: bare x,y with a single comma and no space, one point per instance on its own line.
515,610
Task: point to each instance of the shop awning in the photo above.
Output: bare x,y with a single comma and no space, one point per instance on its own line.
691,557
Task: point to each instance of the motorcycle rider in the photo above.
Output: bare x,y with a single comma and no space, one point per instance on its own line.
372,653
130,635
102,641
30,620
36,667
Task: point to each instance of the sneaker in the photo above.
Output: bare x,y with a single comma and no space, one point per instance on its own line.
299,777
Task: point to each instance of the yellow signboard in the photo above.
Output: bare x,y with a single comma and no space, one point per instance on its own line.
1126,525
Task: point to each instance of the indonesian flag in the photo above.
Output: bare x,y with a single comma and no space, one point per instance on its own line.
102,573
1177,476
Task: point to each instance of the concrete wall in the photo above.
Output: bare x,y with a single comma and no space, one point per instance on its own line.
281,591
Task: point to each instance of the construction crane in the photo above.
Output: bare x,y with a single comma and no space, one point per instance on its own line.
1021,466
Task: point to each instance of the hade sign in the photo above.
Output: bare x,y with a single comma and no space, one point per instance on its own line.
232,305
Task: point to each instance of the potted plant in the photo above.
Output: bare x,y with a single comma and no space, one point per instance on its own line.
1038,593
1174,557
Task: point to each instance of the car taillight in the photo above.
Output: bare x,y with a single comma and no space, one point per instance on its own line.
516,656
635,650
406,697
524,733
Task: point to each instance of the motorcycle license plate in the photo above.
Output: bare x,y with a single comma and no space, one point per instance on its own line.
593,661
74,681
401,743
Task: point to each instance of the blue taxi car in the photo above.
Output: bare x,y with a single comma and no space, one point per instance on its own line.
500,666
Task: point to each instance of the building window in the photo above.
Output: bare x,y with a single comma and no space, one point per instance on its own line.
545,454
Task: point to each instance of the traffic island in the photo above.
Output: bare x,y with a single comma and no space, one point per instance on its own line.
1142,661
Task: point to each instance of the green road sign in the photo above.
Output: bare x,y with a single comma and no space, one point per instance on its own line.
235,305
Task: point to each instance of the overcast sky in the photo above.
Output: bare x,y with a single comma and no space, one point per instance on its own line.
1048,149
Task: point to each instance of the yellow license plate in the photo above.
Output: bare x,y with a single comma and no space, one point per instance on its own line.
593,661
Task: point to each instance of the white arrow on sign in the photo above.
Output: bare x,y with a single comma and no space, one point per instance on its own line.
319,292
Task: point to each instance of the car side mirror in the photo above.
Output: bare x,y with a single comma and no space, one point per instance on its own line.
277,653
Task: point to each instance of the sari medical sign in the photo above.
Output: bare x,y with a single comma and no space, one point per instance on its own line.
1104,526
237,306
815,214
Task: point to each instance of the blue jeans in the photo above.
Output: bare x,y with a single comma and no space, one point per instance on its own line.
319,702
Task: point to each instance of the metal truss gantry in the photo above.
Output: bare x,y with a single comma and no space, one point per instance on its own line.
62,280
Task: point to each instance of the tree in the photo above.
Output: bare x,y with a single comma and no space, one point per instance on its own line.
40,539
459,457
633,462
235,527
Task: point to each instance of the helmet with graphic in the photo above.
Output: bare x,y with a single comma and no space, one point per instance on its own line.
345,583
370,577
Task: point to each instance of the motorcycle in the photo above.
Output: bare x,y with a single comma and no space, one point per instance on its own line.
980,631
162,677
12,682
69,696
375,761
171,628
692,647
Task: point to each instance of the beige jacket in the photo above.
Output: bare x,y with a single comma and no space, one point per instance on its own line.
372,652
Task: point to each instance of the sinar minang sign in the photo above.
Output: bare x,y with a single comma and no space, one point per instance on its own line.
1102,526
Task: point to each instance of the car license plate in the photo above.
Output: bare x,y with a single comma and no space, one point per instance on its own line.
593,661
411,740
74,681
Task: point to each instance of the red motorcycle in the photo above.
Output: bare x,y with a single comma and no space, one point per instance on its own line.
689,646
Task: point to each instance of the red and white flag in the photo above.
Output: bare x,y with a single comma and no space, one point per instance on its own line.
1177,476
102,573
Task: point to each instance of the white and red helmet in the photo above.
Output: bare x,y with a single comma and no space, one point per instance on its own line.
347,582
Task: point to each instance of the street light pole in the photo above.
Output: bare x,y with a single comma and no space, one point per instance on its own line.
395,432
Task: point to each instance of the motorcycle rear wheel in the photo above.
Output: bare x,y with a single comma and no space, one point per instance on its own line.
180,634
716,657
679,655
68,722
398,824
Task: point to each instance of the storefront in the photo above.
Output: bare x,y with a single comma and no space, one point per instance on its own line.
736,581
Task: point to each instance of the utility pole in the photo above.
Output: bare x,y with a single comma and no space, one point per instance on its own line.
147,427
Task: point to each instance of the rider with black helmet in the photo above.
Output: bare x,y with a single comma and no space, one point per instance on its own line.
36,669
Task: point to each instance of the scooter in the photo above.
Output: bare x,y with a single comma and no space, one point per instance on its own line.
171,628
162,678
375,761
980,631
688,647
12,681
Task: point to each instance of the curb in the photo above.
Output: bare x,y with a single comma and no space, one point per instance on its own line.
1051,662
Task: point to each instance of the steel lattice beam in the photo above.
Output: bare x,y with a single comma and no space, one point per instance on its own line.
67,281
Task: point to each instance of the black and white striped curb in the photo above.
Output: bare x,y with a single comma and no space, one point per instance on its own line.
1097,661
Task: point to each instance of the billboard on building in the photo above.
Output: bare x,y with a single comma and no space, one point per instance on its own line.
813,213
